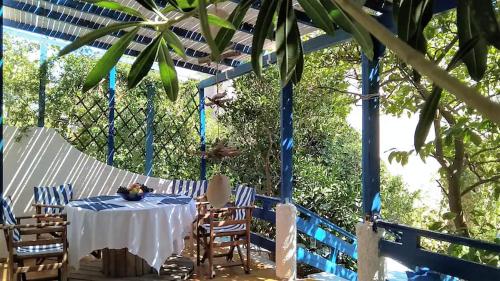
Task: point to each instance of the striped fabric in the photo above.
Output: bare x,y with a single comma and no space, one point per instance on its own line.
245,196
39,249
55,195
8,216
189,188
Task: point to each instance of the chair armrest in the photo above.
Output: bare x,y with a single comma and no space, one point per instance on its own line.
48,206
41,216
43,224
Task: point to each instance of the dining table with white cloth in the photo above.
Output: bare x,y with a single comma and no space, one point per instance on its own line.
152,229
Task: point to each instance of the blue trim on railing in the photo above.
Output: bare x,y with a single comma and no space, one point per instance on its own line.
312,259
409,252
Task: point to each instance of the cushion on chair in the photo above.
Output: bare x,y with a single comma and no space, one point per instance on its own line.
189,188
55,195
39,249
8,216
245,197
226,228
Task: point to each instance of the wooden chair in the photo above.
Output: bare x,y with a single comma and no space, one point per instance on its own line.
54,251
51,200
231,222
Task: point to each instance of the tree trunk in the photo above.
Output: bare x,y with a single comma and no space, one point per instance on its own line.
455,204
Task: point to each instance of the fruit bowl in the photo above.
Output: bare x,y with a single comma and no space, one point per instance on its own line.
134,192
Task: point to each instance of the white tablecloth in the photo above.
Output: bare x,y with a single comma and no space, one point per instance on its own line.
149,230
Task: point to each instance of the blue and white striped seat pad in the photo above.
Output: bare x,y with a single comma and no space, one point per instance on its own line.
54,195
226,228
245,197
39,249
8,216
192,189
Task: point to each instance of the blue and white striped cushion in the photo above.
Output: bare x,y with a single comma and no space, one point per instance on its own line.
54,195
226,228
192,189
8,216
39,249
245,197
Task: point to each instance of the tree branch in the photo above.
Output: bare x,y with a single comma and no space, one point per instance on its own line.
481,182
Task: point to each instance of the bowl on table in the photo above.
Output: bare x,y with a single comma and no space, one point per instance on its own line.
134,192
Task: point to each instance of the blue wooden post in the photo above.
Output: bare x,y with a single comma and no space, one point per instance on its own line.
43,81
150,111
286,117
1,107
203,146
370,166
111,117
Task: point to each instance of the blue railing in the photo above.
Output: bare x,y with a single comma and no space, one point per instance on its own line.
340,241
408,250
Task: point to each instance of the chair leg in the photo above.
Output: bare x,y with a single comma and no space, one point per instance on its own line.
248,255
211,261
64,270
198,242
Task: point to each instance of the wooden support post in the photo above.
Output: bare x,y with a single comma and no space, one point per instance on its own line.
42,83
286,144
150,111
203,167
370,74
111,117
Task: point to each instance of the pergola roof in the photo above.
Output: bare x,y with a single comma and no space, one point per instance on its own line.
69,19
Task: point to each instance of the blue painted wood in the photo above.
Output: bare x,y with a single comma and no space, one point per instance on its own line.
1,106
326,238
370,134
73,20
410,253
326,223
203,144
42,79
110,14
111,117
263,242
269,216
305,256
150,111
286,145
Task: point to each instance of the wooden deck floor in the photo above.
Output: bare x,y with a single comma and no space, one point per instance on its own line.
262,269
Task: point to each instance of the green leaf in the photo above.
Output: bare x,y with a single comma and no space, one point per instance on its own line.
93,35
184,5
476,60
205,28
263,26
168,74
449,215
225,35
360,34
218,21
318,15
426,118
168,9
175,43
112,5
108,60
407,21
483,14
287,38
299,67
148,4
143,63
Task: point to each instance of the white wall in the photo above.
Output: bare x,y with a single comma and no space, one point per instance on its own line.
43,158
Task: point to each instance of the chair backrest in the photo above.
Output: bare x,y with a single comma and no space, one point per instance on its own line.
8,216
53,195
190,188
245,197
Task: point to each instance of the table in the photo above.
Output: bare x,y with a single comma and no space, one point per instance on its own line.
152,229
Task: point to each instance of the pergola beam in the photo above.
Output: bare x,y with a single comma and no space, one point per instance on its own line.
97,44
141,39
117,16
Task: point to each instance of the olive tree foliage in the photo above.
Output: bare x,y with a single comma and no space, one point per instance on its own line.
86,125
327,151
465,144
